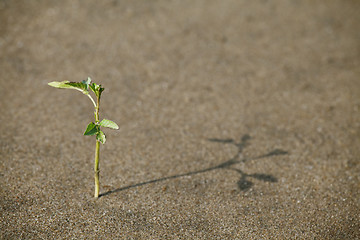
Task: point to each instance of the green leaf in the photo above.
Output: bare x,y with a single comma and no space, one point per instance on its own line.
59,84
82,87
109,124
101,89
100,136
93,87
91,129
96,88
78,86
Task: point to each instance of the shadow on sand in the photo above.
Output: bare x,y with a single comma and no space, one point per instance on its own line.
244,183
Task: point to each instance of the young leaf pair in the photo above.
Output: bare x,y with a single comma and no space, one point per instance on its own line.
94,129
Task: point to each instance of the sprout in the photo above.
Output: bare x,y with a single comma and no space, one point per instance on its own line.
93,128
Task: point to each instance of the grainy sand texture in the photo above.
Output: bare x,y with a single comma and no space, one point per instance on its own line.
238,119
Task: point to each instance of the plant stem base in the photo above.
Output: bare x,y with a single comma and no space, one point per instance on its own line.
97,184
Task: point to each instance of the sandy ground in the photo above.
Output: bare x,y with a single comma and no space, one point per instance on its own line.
239,119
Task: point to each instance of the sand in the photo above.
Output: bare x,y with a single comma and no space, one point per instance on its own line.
238,119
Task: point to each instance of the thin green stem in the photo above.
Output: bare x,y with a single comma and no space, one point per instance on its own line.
97,107
97,152
96,170
92,100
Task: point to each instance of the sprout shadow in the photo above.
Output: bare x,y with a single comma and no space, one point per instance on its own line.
244,183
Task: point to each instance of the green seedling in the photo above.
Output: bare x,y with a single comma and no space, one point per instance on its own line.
93,128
